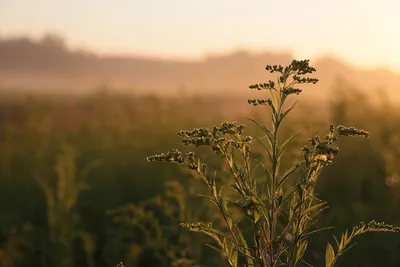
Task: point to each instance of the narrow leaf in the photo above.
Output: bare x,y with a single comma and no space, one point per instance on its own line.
287,174
312,208
246,252
237,189
289,192
265,129
329,256
288,110
233,256
284,144
216,249
224,209
198,165
302,249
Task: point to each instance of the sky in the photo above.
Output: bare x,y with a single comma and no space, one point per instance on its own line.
362,32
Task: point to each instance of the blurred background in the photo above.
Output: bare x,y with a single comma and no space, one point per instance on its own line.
89,89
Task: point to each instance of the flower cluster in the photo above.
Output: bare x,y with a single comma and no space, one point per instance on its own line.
291,91
216,137
176,156
351,131
171,156
374,226
256,102
260,86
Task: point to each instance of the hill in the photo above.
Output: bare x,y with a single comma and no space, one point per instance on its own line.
48,65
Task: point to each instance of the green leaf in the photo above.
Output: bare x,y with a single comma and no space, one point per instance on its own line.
267,171
282,116
237,189
208,233
329,256
300,190
337,242
233,256
287,174
289,192
216,249
256,216
302,249
313,208
274,103
215,231
224,208
265,148
284,144
250,259
343,239
213,186
198,165
293,207
205,196
265,129
288,110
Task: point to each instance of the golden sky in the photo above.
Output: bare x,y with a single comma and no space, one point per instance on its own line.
363,32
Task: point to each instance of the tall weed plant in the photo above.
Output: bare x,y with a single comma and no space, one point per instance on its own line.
281,208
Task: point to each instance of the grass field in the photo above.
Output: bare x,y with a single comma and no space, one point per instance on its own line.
76,189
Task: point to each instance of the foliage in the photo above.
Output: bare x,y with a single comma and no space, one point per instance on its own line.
151,228
281,210
61,199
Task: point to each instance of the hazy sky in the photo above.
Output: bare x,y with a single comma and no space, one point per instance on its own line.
361,31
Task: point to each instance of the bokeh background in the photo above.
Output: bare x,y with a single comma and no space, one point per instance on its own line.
89,89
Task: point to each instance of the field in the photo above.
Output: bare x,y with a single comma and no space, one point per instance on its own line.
76,188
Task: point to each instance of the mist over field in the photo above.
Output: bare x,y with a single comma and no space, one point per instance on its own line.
49,66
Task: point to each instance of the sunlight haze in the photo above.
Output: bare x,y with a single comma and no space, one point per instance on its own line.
362,32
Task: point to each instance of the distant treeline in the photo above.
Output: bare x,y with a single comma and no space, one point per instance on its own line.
49,65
